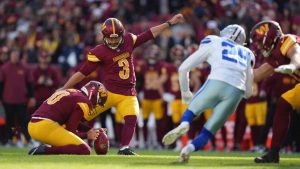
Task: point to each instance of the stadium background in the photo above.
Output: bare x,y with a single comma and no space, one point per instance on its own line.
64,30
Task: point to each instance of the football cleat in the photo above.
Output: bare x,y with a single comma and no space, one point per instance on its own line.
126,151
184,156
270,157
174,134
39,150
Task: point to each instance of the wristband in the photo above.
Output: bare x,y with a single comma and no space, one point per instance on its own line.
169,23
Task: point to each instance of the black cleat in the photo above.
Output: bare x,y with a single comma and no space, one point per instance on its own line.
270,157
40,150
126,151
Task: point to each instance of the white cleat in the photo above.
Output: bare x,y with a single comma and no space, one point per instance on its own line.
185,153
184,158
174,134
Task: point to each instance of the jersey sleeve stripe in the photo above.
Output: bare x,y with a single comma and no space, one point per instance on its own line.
133,38
92,58
287,44
205,41
84,107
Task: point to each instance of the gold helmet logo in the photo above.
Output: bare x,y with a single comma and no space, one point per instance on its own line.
262,29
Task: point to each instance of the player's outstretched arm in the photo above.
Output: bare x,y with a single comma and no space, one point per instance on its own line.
262,72
156,30
74,79
294,54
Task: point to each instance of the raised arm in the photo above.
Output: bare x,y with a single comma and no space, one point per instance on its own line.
156,30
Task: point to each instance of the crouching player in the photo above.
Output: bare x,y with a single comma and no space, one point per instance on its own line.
56,120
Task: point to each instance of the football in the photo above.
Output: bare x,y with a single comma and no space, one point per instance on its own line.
101,144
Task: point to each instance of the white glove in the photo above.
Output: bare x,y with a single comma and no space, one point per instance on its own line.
168,97
286,69
186,96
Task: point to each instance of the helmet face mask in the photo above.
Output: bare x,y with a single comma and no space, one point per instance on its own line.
113,33
264,36
113,43
234,33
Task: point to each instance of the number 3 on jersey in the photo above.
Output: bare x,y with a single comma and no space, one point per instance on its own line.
234,54
124,74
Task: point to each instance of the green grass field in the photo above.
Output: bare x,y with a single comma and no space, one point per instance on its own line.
12,158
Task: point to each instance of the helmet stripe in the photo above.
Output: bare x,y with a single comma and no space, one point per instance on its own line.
237,35
113,26
232,35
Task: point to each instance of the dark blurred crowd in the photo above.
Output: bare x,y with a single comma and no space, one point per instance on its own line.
42,43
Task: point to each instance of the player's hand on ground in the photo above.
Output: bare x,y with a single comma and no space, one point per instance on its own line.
177,19
286,69
186,96
93,133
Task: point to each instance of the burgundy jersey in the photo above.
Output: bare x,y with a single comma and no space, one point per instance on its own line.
117,65
279,83
15,78
278,56
173,81
43,91
60,106
151,74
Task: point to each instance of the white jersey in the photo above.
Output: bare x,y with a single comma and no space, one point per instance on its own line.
229,61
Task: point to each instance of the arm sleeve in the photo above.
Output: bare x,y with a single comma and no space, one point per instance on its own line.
88,67
73,122
142,38
249,82
249,78
191,62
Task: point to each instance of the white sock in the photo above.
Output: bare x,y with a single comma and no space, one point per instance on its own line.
124,147
184,124
190,148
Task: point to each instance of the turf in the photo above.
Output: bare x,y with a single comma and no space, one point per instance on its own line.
12,158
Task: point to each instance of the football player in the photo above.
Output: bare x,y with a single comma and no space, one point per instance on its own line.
115,59
176,107
154,76
230,80
56,121
282,53
256,113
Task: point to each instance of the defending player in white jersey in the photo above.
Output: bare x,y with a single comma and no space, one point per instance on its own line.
230,79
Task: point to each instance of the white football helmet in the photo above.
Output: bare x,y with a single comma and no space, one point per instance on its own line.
234,33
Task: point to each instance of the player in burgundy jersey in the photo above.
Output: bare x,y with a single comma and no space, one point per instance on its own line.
282,53
56,121
115,59
154,73
45,78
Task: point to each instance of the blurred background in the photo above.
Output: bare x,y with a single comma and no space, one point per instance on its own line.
45,42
